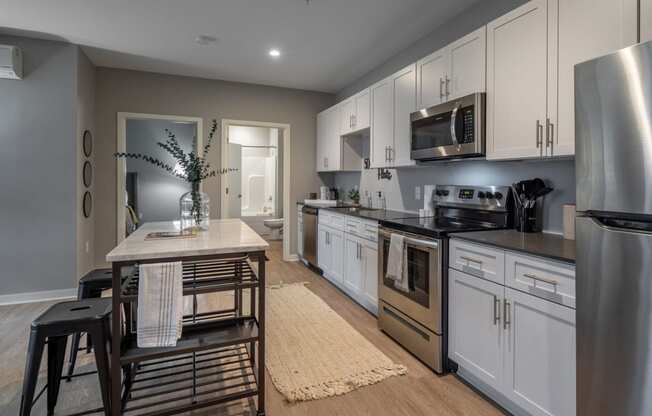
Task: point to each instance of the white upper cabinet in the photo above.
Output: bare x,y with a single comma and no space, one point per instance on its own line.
468,64
354,113
457,70
539,355
517,49
382,123
587,29
646,20
333,153
405,103
432,73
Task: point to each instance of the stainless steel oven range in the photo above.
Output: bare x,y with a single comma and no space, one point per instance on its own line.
417,318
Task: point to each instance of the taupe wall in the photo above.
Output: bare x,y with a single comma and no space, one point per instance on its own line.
85,120
142,92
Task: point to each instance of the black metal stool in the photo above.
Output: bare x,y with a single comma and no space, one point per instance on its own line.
53,328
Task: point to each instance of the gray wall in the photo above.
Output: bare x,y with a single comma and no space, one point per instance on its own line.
143,92
400,191
481,13
158,192
38,167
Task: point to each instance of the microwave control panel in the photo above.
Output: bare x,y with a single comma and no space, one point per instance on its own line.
468,120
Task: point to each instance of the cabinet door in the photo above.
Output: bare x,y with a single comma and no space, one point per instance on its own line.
324,253
334,141
370,276
539,355
347,112
587,29
475,341
468,64
382,123
353,265
646,20
517,82
431,79
362,113
336,247
322,137
405,103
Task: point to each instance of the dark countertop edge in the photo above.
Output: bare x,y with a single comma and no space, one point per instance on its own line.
541,254
368,216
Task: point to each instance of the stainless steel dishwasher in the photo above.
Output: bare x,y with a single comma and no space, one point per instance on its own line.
310,234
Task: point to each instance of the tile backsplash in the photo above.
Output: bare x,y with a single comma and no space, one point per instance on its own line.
401,194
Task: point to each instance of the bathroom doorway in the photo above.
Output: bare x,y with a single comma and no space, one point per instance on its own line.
258,192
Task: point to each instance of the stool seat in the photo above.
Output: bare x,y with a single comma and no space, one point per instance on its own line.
99,276
77,312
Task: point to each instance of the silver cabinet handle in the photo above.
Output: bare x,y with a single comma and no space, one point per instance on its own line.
536,130
359,251
355,120
470,260
540,137
550,135
507,311
542,279
448,82
441,89
496,310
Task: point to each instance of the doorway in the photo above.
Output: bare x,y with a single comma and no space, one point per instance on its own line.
259,191
146,193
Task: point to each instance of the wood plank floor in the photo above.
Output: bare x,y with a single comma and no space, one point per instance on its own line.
420,392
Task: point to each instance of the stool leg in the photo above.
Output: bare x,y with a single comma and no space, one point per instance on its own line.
74,347
102,362
56,354
32,364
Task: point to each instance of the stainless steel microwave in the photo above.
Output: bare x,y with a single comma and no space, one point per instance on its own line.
452,130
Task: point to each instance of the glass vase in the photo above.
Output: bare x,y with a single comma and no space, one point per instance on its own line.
195,210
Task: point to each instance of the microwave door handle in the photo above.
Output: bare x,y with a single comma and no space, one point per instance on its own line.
453,124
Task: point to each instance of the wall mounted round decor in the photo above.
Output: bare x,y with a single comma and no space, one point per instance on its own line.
87,174
87,143
87,204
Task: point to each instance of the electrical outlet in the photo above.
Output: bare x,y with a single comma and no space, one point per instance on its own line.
417,193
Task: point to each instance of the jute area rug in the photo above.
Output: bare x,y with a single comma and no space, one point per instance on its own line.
313,353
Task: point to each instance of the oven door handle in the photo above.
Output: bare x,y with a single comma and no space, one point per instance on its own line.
413,241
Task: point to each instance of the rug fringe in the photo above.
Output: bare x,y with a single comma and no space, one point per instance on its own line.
345,385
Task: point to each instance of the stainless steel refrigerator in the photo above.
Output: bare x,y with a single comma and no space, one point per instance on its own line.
613,164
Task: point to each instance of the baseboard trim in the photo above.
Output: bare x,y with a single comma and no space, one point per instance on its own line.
292,257
32,297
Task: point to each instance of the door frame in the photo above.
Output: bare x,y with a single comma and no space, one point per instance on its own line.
121,163
226,123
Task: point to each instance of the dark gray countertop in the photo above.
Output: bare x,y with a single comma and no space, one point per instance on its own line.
372,214
539,244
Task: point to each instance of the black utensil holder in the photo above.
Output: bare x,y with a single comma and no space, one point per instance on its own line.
528,220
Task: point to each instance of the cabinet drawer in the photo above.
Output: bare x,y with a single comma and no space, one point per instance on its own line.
352,225
369,230
478,260
545,279
337,221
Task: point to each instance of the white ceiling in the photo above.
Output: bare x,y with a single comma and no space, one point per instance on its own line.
325,45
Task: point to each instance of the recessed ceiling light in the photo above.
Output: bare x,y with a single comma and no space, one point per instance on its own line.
274,53
205,39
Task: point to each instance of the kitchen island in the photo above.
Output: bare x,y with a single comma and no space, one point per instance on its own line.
229,257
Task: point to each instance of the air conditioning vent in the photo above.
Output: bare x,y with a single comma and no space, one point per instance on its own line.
11,62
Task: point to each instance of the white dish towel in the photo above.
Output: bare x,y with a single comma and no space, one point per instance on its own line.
397,262
160,305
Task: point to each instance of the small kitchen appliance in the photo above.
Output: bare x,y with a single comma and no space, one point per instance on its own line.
418,318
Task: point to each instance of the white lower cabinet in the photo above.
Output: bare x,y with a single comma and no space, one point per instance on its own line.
361,271
331,251
539,355
512,344
300,232
475,338
370,276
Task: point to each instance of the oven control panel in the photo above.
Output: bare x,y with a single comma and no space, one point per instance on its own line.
478,197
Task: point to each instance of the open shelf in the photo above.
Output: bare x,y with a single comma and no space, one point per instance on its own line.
195,338
206,276
191,381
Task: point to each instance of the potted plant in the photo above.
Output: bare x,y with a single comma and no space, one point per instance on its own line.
354,195
194,206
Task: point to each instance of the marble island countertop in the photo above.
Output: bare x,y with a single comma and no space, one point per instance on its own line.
223,237
539,244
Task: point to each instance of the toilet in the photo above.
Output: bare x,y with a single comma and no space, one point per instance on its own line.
275,225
